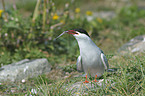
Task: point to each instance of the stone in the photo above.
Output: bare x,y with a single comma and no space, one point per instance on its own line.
103,15
135,45
24,69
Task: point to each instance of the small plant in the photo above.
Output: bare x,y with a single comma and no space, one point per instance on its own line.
29,29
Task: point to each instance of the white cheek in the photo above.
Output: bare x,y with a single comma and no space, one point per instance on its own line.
77,35
81,37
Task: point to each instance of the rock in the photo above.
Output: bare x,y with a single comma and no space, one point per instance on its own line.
80,88
136,44
24,69
103,14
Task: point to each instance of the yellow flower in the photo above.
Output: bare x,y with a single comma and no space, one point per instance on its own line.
99,20
55,17
2,53
77,10
62,21
1,11
89,13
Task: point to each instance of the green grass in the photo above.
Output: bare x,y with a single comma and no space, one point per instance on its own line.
129,80
21,38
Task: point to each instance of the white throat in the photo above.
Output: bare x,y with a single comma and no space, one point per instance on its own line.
85,43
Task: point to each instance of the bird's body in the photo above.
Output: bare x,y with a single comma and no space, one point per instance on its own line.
92,58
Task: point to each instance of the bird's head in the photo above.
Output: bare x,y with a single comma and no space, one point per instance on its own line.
78,33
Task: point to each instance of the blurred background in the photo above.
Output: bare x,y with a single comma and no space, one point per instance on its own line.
28,27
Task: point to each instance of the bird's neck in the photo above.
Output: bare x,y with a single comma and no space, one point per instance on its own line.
85,44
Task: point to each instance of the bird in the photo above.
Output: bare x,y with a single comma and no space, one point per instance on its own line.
91,60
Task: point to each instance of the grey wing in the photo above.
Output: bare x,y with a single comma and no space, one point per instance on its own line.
79,64
105,61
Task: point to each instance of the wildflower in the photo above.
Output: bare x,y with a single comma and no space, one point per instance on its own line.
2,54
89,13
12,18
77,10
55,17
6,34
99,20
1,11
62,21
16,19
23,80
33,91
66,5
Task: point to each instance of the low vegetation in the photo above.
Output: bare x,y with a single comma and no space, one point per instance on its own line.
30,32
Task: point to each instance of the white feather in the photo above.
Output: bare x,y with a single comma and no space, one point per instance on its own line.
103,60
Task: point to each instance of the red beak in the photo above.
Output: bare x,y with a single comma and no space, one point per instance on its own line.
72,32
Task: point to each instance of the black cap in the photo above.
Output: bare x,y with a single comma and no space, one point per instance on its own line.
82,31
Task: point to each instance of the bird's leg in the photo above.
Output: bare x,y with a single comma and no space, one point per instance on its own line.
95,79
86,80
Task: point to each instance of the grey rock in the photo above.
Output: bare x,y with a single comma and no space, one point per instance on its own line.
135,45
103,14
24,69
